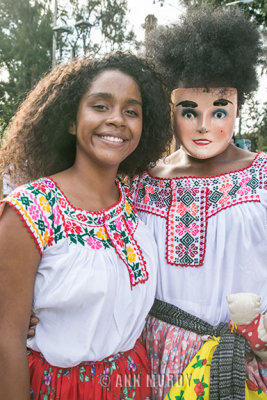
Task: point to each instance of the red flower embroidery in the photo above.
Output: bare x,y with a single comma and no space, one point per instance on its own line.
119,239
204,362
252,386
199,389
62,202
81,217
119,210
39,185
150,189
72,227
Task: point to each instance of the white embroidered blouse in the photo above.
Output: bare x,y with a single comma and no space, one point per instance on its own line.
211,235
97,277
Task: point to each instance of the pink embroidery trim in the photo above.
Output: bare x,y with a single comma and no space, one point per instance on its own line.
136,267
190,231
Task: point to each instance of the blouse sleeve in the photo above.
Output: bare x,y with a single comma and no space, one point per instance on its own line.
32,202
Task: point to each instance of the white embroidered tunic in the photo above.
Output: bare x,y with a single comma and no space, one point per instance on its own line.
97,277
211,235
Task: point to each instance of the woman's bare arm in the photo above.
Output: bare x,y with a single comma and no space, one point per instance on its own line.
19,260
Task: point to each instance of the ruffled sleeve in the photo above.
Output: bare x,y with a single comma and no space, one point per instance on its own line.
33,203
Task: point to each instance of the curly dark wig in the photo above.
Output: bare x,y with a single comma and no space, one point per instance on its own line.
38,142
208,47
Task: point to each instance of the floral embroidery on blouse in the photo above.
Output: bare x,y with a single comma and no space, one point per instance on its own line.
187,204
50,218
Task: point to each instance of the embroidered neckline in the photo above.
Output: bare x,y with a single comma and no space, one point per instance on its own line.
50,217
255,159
187,204
108,213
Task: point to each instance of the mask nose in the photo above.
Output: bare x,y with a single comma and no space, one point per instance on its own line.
203,124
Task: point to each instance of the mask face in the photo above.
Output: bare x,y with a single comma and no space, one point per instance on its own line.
203,120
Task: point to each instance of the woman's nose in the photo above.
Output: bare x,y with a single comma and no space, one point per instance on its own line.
116,118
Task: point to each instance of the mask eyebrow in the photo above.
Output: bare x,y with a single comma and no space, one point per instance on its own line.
221,102
187,103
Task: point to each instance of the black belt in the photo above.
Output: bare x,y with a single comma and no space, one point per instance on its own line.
228,369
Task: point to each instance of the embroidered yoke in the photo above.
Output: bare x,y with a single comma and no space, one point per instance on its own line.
211,237
96,280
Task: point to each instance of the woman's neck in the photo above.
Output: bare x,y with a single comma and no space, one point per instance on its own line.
89,189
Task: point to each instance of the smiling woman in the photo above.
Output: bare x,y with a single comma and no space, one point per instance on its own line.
82,258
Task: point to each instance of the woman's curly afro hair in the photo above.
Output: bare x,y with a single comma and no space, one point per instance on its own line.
38,142
208,47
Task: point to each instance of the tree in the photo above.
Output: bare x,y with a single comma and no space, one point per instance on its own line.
254,124
256,9
26,34
25,43
97,26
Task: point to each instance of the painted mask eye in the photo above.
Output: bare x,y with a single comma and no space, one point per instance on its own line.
189,113
219,114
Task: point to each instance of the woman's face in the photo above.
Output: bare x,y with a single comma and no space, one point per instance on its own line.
204,120
109,119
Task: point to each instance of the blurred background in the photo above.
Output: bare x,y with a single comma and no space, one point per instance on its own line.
35,35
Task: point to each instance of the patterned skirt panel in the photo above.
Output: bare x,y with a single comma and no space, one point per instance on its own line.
119,377
170,349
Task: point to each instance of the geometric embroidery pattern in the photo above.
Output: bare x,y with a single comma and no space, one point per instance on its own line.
187,226
49,217
188,202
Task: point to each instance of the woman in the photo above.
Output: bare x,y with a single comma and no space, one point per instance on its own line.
87,265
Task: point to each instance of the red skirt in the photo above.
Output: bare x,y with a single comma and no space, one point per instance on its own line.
119,377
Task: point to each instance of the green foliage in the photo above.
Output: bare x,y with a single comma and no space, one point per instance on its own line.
26,34
256,9
25,43
254,124
99,26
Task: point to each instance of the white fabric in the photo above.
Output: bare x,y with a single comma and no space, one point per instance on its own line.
235,261
92,292
86,307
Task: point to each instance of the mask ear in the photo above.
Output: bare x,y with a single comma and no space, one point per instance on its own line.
72,129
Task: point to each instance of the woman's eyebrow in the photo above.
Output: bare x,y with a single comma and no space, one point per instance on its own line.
187,103
101,94
106,95
221,102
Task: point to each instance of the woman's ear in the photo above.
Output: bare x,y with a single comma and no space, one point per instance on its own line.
237,112
72,128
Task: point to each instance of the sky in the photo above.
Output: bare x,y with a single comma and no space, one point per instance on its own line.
165,15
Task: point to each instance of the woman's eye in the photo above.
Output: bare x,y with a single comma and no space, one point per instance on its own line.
219,114
132,113
188,114
99,107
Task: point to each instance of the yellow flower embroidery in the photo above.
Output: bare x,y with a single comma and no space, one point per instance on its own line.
101,234
128,208
131,256
46,237
44,204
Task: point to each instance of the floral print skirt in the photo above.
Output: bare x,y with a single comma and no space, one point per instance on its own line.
170,350
123,376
